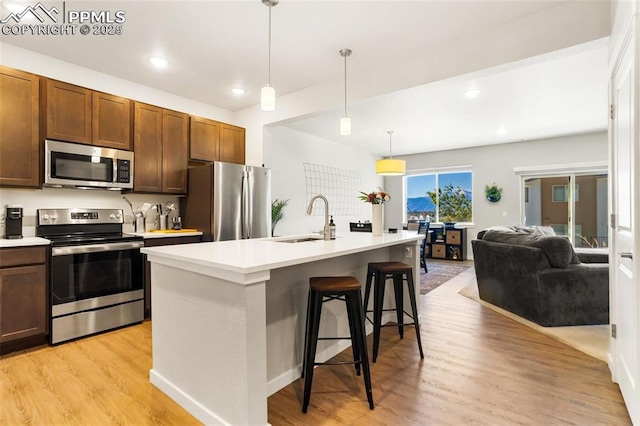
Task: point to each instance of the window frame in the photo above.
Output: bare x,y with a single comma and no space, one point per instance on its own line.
437,172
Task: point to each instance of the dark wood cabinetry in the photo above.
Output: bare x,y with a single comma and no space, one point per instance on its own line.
76,114
160,139
19,128
23,296
111,121
175,139
447,243
232,144
147,148
155,242
204,139
68,112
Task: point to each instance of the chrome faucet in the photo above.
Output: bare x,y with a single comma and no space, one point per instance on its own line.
326,233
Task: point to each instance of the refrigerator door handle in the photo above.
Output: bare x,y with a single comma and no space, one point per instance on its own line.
244,213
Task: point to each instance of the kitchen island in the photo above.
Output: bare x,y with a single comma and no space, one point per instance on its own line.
228,317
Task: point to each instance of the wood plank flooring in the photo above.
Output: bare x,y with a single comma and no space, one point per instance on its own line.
480,368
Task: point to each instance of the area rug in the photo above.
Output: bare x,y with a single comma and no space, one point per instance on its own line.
590,339
439,273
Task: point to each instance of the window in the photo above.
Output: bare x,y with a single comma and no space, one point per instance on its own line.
439,197
560,193
548,202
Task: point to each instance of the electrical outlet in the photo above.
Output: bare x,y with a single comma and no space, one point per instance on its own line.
408,252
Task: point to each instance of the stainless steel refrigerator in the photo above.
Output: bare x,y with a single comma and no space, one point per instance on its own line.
228,201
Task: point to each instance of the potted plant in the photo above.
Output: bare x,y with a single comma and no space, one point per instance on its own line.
493,192
277,212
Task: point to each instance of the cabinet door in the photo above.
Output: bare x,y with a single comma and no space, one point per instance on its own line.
23,302
111,121
147,148
232,143
205,139
175,138
68,112
19,128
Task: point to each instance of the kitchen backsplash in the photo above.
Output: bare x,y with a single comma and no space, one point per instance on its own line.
33,199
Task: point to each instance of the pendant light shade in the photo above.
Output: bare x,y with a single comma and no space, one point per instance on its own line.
345,126
389,166
268,93
345,122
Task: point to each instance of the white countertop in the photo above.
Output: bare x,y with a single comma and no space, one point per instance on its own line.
147,235
255,255
23,242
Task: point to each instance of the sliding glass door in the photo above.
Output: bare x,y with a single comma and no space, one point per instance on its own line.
574,205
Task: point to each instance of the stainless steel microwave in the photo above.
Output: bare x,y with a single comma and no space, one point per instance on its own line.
85,166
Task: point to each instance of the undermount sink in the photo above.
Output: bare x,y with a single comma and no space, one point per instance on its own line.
299,240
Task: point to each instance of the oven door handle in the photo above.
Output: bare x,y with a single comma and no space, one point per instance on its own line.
95,248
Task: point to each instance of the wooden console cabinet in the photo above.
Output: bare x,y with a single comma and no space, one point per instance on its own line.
447,243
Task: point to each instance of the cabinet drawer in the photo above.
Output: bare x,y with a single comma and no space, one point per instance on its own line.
439,251
454,237
22,256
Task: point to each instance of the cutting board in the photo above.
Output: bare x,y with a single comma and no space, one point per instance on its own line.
173,231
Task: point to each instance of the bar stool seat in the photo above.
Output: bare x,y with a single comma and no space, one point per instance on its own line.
323,289
379,273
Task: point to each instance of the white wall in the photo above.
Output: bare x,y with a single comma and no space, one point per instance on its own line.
286,150
496,163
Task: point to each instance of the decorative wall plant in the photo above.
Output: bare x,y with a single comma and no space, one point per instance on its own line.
493,192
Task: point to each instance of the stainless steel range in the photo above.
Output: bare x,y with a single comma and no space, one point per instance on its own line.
96,271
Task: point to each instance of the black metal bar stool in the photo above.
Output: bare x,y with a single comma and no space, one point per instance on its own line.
400,273
323,289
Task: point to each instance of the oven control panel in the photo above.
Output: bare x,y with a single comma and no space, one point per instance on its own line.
79,216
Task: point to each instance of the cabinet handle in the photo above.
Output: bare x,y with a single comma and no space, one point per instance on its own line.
626,254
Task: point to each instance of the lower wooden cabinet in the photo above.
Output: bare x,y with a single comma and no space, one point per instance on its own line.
23,294
156,242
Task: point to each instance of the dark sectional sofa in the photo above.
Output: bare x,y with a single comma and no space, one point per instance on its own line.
537,275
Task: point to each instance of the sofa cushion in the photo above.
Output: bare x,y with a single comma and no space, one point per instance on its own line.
558,250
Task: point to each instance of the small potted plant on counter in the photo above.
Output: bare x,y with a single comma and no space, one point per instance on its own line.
277,212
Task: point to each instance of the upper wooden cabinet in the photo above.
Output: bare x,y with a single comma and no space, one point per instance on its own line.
204,139
232,140
147,148
68,112
160,147
19,128
76,114
175,139
111,121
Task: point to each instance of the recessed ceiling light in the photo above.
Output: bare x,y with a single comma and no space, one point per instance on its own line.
158,61
473,93
501,131
238,91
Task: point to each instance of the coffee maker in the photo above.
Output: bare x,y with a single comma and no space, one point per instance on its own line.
13,222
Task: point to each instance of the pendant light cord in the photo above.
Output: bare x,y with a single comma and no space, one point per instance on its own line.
390,133
345,85
269,70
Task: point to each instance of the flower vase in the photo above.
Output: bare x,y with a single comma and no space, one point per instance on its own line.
377,218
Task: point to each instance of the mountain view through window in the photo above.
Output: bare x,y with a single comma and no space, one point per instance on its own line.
439,197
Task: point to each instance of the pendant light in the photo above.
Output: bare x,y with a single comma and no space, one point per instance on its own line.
268,93
389,166
345,122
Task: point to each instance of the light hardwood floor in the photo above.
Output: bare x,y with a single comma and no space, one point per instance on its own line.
480,368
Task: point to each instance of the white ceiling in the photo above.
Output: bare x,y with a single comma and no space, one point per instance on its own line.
214,46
